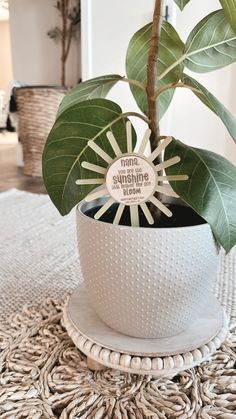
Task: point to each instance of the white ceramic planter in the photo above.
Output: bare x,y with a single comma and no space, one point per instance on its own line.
146,282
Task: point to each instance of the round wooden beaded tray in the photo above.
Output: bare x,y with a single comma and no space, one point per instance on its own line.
105,347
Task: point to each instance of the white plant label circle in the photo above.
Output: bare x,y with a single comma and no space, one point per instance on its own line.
131,179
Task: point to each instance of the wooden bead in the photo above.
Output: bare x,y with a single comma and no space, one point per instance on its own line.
217,342
81,341
222,334
88,345
197,355
95,350
188,358
115,358
146,364
105,355
204,350
125,360
178,361
136,363
168,362
157,364
212,347
74,335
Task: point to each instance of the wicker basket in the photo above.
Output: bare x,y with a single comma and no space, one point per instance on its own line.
37,107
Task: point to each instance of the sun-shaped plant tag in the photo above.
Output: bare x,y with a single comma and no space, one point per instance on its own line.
131,179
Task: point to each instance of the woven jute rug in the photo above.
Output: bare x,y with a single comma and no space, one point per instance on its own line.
43,375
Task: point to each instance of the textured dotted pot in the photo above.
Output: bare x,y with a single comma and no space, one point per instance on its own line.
146,282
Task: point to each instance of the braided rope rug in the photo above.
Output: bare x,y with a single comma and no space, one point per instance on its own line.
43,375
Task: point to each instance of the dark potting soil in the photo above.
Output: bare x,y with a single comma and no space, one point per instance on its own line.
182,217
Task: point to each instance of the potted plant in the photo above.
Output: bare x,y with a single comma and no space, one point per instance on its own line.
142,281
37,105
70,19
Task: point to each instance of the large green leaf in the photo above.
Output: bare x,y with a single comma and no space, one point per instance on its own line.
229,7
211,44
181,3
67,147
171,49
90,89
210,100
210,190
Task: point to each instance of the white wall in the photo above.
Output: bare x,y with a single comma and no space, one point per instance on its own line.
5,57
107,28
191,121
36,58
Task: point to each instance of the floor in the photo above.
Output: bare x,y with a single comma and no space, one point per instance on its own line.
12,176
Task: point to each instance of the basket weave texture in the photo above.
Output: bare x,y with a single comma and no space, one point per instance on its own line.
37,108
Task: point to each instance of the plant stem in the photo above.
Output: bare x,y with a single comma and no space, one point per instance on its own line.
150,89
137,115
134,82
152,74
173,86
173,65
64,9
70,32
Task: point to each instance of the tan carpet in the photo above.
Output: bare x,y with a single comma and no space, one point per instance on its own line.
38,251
42,374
